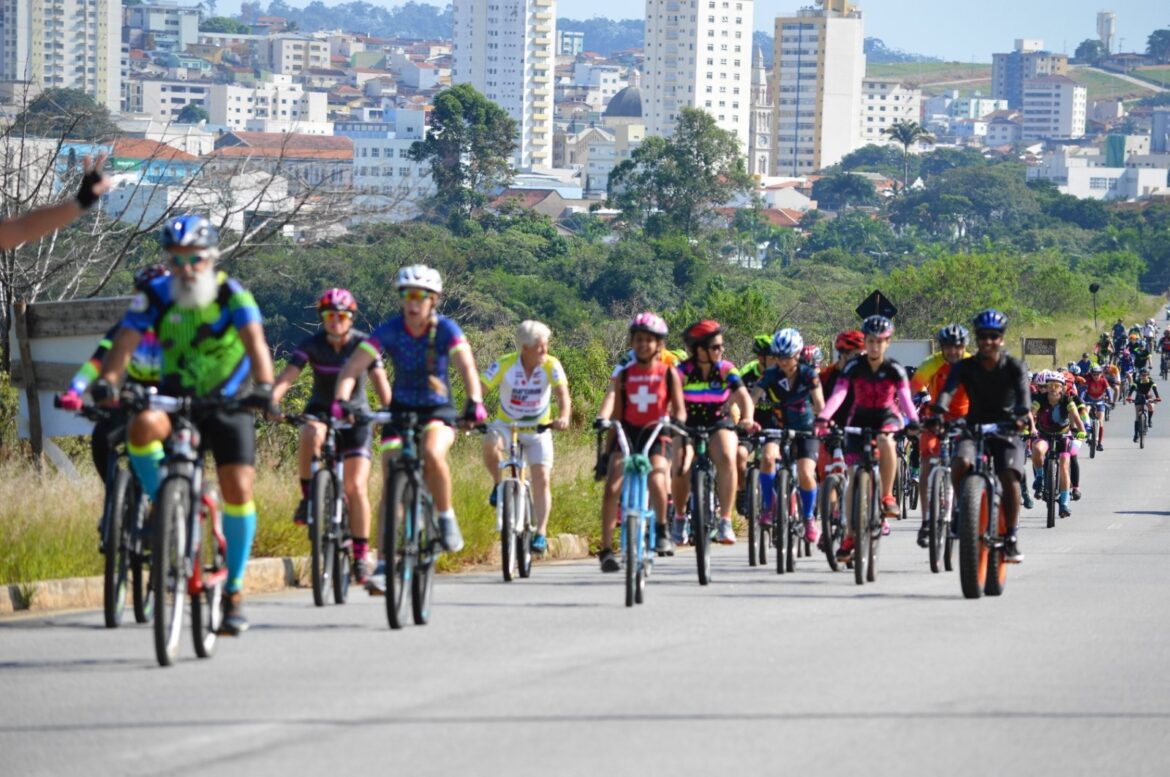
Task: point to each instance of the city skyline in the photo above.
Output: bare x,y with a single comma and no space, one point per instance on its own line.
963,32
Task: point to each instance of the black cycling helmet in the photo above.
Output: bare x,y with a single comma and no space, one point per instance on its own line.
953,334
879,326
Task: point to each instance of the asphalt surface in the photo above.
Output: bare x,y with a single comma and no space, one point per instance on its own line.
1066,673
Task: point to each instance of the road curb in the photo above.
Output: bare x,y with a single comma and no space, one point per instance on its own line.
265,575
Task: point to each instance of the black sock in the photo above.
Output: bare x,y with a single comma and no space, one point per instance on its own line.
305,482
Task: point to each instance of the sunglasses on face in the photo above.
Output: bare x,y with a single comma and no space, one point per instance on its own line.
712,347
336,315
181,260
990,336
415,295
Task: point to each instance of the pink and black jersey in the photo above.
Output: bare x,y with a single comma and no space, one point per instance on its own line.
318,353
877,394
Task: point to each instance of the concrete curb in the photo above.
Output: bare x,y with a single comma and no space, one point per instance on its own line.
265,575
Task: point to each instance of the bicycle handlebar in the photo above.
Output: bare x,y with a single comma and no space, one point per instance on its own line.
518,425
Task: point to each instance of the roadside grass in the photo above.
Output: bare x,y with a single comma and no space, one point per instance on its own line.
919,73
48,523
1076,334
1159,75
1102,86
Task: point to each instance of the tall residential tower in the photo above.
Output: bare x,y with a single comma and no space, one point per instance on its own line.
698,55
504,48
817,72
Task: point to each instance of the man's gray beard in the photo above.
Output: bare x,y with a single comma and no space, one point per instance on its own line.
199,293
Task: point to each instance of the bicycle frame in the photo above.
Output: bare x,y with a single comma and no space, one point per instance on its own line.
865,535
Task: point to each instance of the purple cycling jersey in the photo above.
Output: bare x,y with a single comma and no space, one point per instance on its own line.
318,353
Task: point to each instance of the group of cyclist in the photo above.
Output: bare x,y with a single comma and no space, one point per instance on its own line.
1122,371
193,331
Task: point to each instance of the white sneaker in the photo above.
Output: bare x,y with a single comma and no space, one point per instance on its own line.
726,535
449,535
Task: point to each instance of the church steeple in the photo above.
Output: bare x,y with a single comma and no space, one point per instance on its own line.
762,117
760,81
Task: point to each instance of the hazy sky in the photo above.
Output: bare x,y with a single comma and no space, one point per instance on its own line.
951,29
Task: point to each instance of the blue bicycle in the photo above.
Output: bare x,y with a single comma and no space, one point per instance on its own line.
638,524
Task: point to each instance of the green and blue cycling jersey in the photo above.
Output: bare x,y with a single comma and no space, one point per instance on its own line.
202,352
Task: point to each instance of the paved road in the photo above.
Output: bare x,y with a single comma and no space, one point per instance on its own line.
1126,77
1065,674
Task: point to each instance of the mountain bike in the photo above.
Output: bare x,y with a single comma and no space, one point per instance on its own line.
124,529
1050,476
832,498
982,525
1091,430
1143,418
184,566
1164,367
940,501
865,521
638,524
758,537
904,489
411,537
514,503
330,542
704,513
788,525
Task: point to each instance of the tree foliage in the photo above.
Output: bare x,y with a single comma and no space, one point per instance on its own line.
842,190
191,114
674,183
1089,51
1158,45
224,24
65,113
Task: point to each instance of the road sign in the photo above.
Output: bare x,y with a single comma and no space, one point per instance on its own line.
877,304
1039,346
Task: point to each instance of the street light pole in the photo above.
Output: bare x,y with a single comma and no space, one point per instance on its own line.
1093,289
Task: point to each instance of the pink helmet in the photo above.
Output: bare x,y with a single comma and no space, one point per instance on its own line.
337,299
648,322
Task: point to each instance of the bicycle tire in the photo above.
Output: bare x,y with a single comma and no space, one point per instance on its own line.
781,504
936,526
973,524
630,551
141,591
321,497
1051,486
859,520
342,558
1142,426
524,538
996,560
398,511
914,490
1092,438
169,576
903,482
422,585
508,529
794,529
875,532
752,497
117,561
830,518
701,524
207,604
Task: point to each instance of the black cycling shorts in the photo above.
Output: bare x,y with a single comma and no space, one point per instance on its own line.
230,436
637,436
354,441
1007,453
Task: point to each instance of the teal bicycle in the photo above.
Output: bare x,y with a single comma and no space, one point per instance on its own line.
638,524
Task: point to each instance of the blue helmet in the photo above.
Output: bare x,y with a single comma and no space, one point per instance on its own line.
190,231
989,320
953,334
787,343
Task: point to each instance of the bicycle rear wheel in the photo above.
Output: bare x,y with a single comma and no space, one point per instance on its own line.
752,497
974,521
423,582
399,542
859,513
701,521
321,497
832,499
117,557
169,573
207,603
141,590
510,506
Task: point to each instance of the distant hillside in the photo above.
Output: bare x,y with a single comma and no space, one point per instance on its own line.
413,20
876,51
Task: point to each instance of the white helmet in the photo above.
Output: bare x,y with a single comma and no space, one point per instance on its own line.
419,276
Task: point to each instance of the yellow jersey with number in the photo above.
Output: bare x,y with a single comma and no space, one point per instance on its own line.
524,397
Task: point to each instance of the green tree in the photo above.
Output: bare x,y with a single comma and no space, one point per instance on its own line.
191,114
906,134
1158,45
683,178
66,113
1089,51
839,191
224,24
469,147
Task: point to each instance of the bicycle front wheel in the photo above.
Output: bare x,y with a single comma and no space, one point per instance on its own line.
974,521
399,543
207,604
935,515
510,506
832,499
1051,486
321,498
117,558
630,526
701,521
169,571
859,518
524,536
342,544
423,582
752,497
782,500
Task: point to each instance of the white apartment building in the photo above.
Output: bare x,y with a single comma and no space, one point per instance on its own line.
293,55
1054,107
278,99
64,44
885,101
698,55
388,185
504,48
1082,173
817,73
599,83
162,26
165,98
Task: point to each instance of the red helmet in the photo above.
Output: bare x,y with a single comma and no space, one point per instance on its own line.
811,355
701,331
337,299
850,340
145,275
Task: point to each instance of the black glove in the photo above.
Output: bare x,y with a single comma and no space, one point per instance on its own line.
601,469
133,395
261,398
101,390
86,196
